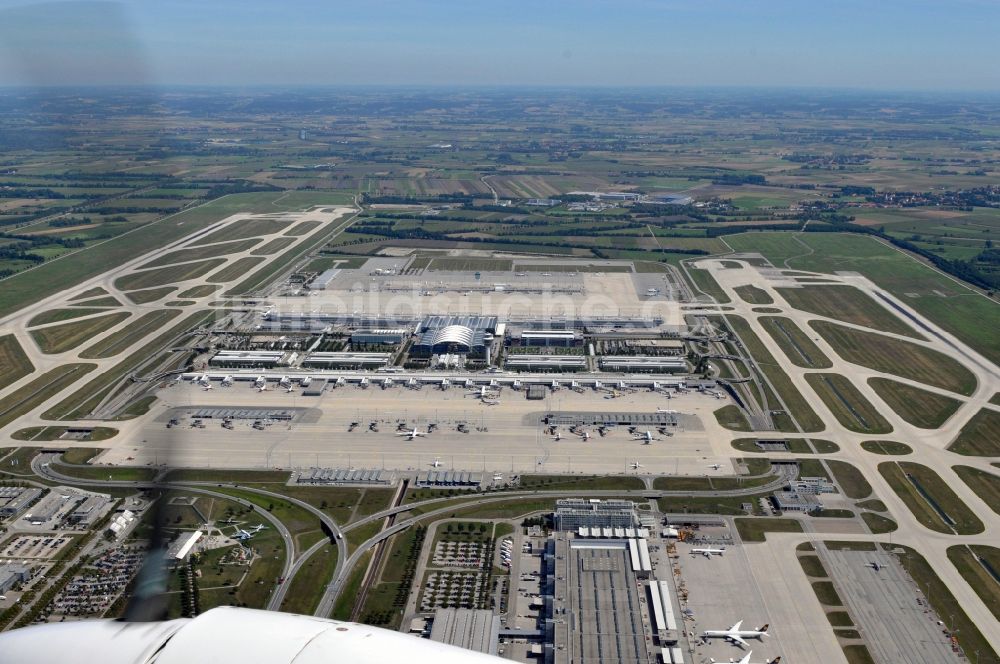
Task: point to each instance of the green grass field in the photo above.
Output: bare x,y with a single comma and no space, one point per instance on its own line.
951,514
799,348
797,404
886,447
274,246
14,364
61,338
244,228
169,275
55,433
199,291
235,269
87,398
920,408
985,485
67,271
847,404
756,529
754,295
89,293
116,343
878,524
795,445
970,561
705,282
47,385
151,295
851,480
847,304
951,305
898,358
980,436
189,254
732,418
58,315
99,302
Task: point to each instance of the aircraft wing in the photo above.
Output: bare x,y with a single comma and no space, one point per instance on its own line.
746,658
736,627
737,639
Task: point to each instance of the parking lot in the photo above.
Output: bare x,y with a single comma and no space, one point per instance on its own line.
39,547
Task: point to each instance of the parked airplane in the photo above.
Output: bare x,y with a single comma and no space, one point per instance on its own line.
875,565
410,435
746,659
708,552
646,437
734,634
482,393
585,435
558,436
715,466
207,386
636,465
436,463
242,535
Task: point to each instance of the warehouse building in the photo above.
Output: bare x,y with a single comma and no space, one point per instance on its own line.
574,513
89,511
643,364
379,336
561,338
794,501
47,508
342,476
559,363
346,360
14,500
251,359
594,604
472,629
12,575
448,478
324,279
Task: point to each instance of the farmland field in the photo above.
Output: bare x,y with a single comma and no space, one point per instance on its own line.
896,357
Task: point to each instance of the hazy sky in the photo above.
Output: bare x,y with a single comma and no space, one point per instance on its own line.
890,44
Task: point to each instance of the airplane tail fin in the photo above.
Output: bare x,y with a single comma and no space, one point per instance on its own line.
776,660
763,630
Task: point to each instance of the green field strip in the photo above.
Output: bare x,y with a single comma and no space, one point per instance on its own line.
61,338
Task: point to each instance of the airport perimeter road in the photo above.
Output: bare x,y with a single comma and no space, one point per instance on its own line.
41,465
343,571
